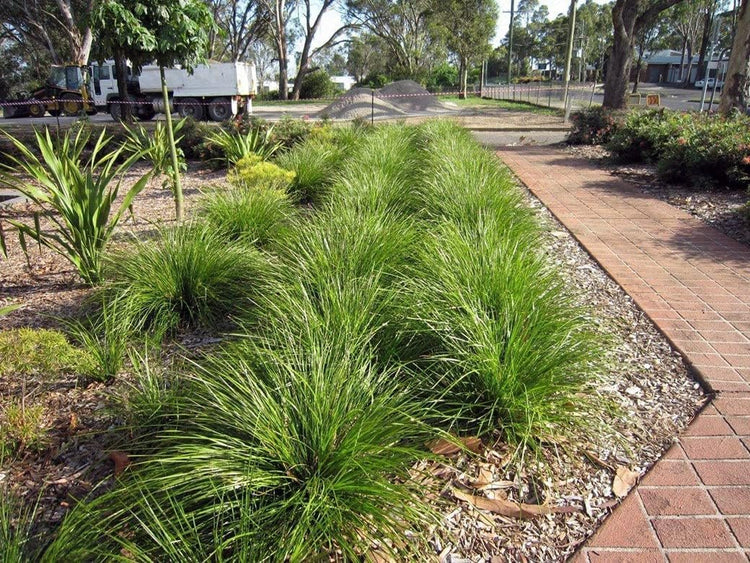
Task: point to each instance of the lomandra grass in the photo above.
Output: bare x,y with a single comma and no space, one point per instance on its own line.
521,355
289,453
260,216
188,276
414,299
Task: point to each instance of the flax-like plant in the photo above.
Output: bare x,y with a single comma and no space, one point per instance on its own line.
237,146
77,195
155,148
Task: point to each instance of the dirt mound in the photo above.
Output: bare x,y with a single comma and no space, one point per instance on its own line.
410,96
394,100
358,102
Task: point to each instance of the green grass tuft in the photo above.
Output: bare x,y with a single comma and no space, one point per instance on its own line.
189,276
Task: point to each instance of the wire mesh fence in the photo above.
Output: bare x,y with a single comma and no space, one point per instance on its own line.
549,94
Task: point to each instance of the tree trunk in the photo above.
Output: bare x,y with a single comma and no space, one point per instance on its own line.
707,24
462,74
176,184
682,60
736,92
638,67
686,79
618,68
126,110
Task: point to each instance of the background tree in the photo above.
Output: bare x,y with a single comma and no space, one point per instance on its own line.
404,28
650,38
281,33
310,25
628,18
466,26
736,91
365,56
170,32
239,25
121,35
686,21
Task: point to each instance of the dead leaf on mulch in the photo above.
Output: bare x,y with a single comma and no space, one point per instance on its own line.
509,508
121,461
446,447
625,479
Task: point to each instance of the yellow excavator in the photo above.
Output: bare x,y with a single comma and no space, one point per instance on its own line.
65,92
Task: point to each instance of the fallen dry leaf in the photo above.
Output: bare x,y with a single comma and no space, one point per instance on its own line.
445,447
121,461
625,479
505,507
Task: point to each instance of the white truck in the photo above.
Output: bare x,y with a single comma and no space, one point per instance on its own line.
214,90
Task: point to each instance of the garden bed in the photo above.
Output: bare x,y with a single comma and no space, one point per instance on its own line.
639,393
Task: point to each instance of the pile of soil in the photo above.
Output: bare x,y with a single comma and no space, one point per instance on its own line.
392,101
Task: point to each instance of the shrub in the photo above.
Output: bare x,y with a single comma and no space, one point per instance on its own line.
17,534
317,84
194,141
251,172
40,352
643,135
259,216
592,126
289,131
76,196
189,276
687,147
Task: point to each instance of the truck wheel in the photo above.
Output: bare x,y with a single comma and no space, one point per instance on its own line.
115,109
220,109
37,109
71,104
190,107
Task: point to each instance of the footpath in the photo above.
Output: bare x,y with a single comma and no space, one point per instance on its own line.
694,283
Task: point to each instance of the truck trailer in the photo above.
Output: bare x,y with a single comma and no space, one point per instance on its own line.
215,91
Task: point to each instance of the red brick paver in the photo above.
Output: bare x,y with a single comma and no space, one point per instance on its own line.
694,284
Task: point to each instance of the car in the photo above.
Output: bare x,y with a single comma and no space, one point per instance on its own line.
711,81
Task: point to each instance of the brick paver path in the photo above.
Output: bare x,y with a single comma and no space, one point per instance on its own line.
694,283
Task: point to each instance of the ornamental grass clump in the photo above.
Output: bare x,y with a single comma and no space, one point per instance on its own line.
188,276
76,195
519,351
381,173
263,217
293,452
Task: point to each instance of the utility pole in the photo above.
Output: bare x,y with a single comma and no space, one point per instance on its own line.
510,39
569,57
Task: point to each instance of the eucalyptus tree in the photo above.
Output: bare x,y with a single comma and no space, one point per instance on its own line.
310,20
466,26
736,92
169,32
404,28
629,17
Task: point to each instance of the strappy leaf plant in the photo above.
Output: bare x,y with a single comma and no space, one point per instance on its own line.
236,146
77,195
154,148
